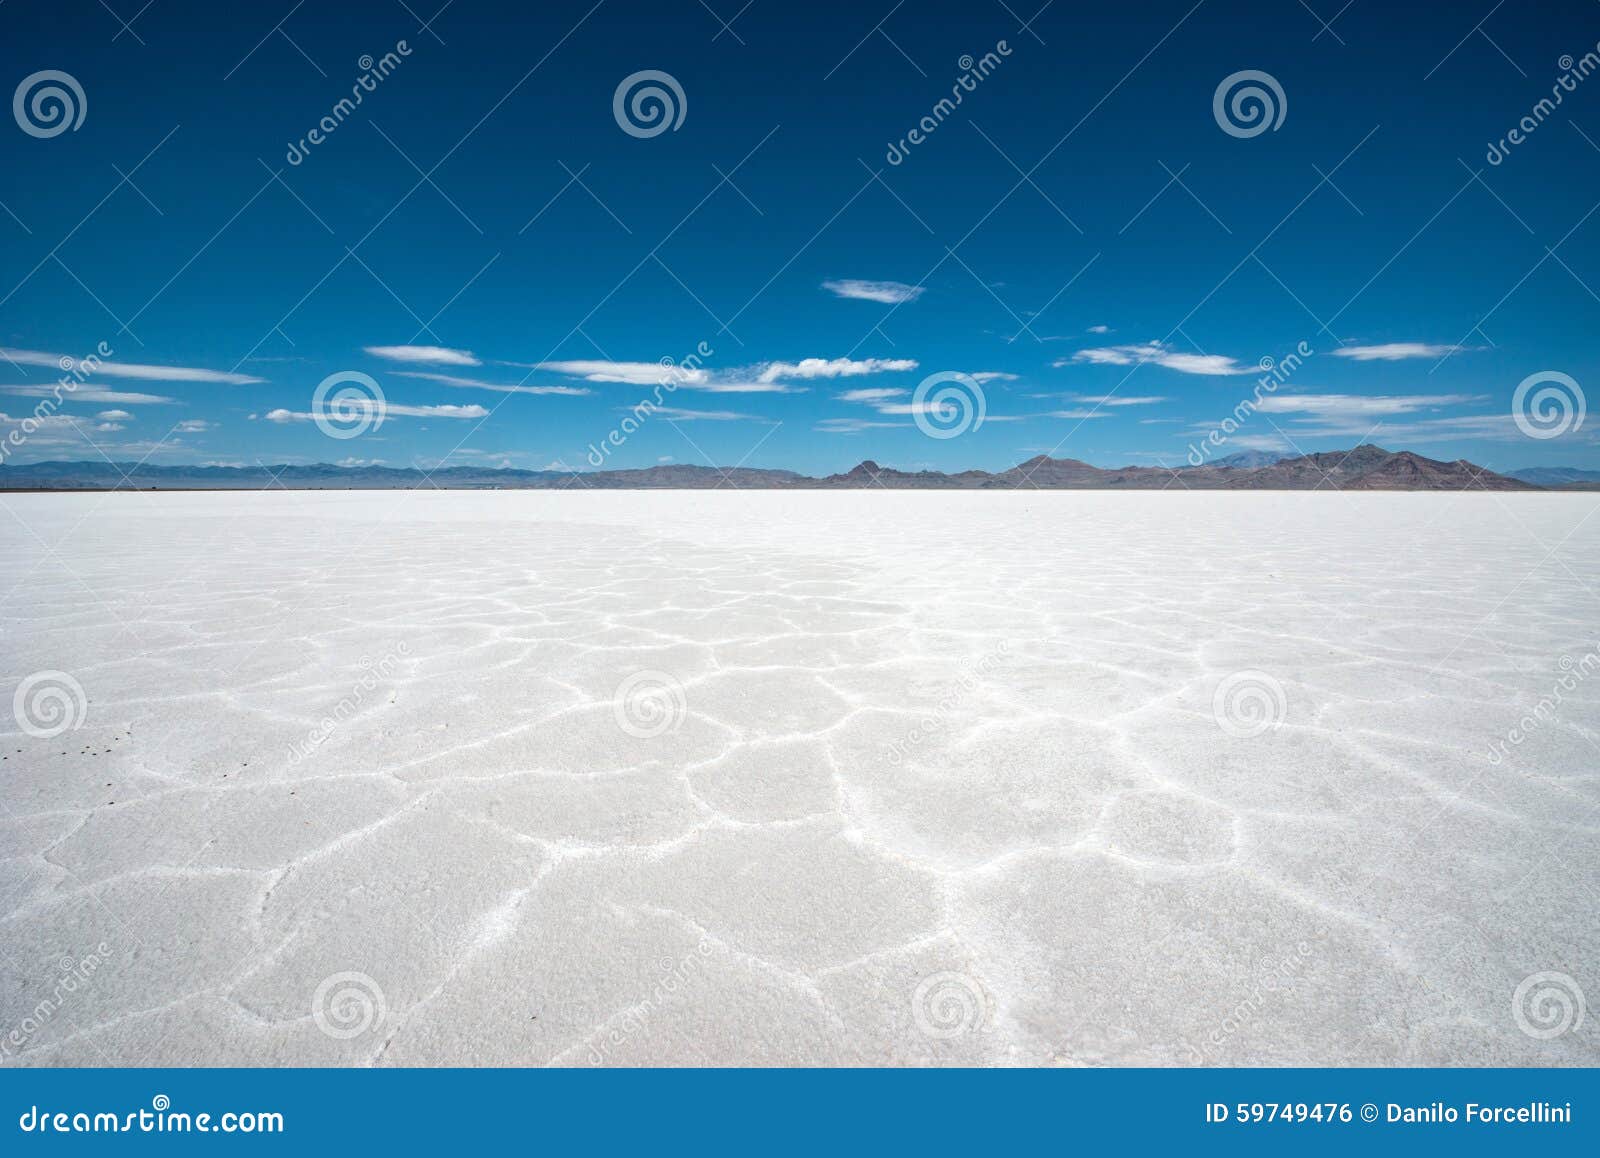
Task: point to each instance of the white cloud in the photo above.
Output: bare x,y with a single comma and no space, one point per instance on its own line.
677,415
127,369
1118,399
631,373
853,425
1077,414
1394,351
92,394
433,355
1360,405
808,368
114,416
193,425
666,458
873,394
890,293
390,410
1161,355
1099,329
477,384
741,385
984,377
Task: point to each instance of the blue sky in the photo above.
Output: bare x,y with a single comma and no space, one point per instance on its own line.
1080,237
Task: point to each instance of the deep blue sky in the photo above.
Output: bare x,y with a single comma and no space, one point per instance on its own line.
202,260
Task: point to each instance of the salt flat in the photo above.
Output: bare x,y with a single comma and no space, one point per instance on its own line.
847,778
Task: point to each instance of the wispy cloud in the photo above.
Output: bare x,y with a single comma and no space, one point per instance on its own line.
478,384
390,410
853,425
63,363
1159,354
808,368
1363,405
1108,399
629,373
430,355
741,385
984,377
678,415
890,293
92,394
1099,329
1395,351
872,394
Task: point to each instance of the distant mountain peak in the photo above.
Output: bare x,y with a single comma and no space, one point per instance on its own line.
1365,467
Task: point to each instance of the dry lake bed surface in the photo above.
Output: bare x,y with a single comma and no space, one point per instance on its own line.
822,778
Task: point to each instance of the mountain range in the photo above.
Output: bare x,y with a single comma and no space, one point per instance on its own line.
1365,467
